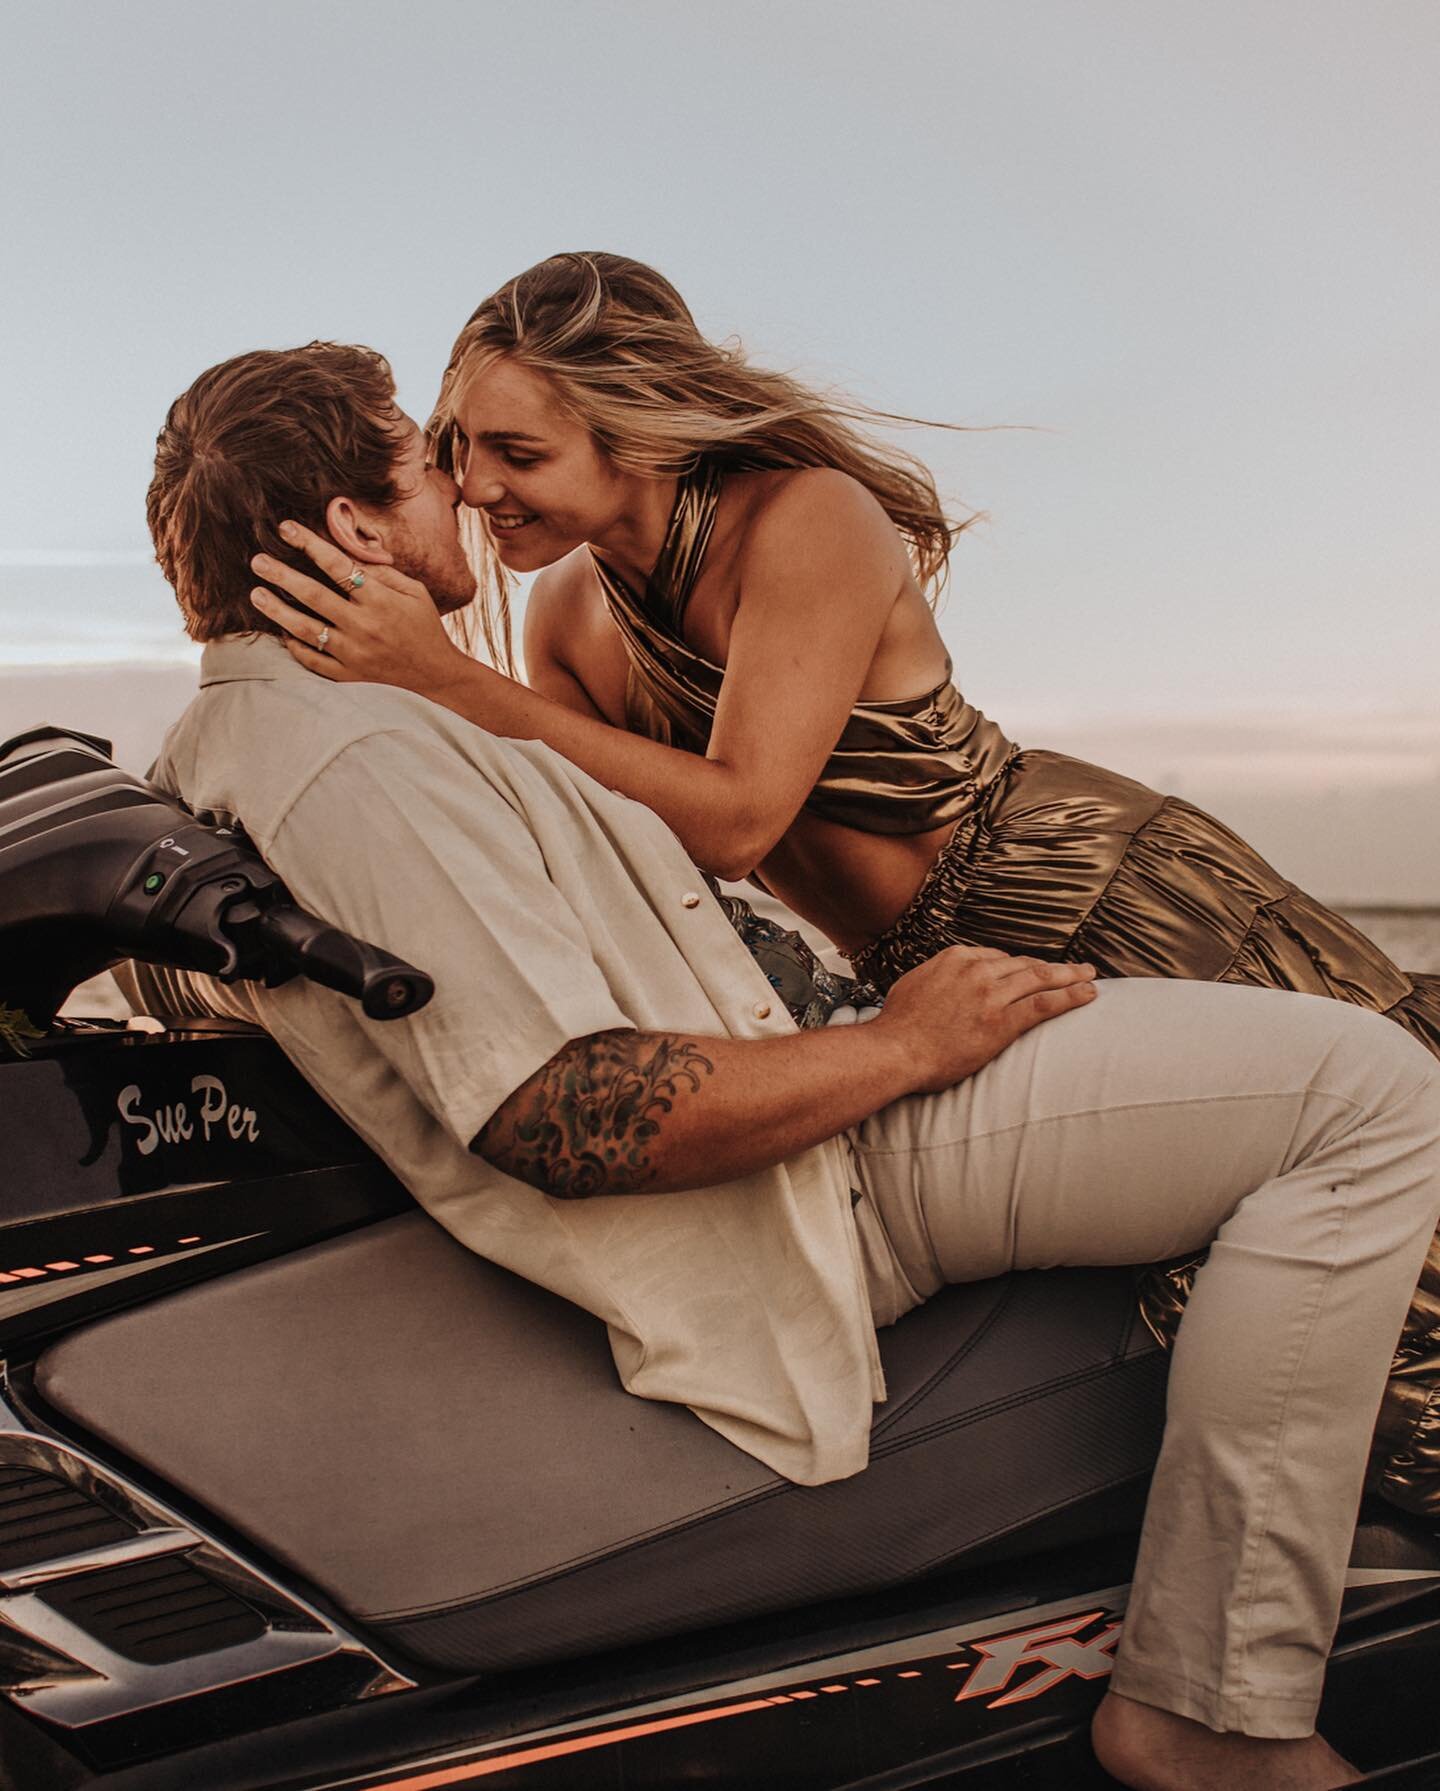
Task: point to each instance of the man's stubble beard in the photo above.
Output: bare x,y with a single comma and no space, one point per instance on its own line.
445,572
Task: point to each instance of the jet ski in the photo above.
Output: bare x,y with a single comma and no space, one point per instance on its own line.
296,1492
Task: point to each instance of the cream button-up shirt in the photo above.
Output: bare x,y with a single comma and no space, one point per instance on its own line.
546,908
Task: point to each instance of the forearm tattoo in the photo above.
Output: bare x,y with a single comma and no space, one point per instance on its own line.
588,1122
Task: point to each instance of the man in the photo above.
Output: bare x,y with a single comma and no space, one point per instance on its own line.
600,1031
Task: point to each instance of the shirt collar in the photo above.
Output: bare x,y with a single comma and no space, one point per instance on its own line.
235,657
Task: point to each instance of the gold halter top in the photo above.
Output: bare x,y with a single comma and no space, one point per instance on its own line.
903,765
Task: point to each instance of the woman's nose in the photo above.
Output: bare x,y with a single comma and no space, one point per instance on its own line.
480,489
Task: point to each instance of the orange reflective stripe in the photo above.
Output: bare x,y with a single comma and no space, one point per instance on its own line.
478,1769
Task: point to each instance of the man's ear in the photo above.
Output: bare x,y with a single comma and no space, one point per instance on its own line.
355,529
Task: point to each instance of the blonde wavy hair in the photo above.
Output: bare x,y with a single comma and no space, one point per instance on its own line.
625,359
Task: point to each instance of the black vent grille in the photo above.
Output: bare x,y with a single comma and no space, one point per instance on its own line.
42,1515
155,1611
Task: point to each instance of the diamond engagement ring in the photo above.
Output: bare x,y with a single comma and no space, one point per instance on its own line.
322,640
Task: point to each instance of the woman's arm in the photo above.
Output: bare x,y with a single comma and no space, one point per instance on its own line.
819,572
549,670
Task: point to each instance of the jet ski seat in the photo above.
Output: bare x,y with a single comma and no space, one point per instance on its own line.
445,1451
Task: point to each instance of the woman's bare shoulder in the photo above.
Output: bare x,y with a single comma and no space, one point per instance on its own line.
825,488
563,597
571,644
563,604
818,504
560,586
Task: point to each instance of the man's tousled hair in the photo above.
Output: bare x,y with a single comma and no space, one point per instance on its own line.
261,438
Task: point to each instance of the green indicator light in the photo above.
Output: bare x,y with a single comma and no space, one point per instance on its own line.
154,881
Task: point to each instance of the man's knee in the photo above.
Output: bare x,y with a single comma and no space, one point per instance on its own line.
1393,1085
1381,1063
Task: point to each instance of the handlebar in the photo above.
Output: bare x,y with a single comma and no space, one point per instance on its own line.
386,987
217,906
97,865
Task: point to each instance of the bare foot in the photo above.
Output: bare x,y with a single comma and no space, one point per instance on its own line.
1155,1750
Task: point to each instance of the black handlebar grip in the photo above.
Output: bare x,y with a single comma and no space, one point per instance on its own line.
387,988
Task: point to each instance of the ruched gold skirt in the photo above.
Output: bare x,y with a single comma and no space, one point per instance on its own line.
1065,860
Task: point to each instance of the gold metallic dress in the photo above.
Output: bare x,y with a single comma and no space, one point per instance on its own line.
1063,860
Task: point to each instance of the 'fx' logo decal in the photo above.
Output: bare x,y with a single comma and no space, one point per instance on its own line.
1052,1646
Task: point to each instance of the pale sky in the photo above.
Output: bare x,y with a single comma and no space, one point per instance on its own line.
1191,248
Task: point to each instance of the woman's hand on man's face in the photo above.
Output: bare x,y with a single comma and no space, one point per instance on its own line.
384,630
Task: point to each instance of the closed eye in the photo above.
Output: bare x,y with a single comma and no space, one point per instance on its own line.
450,453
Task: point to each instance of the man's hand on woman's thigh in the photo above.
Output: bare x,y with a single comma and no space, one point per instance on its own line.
965,1005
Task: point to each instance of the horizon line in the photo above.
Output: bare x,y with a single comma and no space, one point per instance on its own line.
76,556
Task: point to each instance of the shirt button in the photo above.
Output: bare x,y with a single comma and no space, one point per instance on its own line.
690,899
762,1010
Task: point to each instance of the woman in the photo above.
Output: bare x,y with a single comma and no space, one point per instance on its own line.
732,626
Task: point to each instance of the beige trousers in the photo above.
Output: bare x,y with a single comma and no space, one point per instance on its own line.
1303,1136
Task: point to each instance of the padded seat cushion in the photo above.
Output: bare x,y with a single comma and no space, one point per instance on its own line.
445,1450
